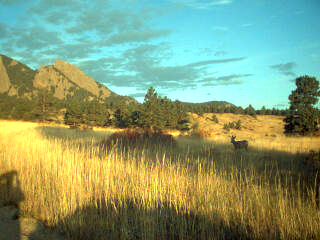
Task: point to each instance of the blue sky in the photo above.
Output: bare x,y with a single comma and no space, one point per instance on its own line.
240,51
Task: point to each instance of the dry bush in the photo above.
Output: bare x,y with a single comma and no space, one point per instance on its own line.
138,139
199,132
204,133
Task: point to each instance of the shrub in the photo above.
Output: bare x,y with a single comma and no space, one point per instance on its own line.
226,126
238,125
234,125
138,139
215,119
201,133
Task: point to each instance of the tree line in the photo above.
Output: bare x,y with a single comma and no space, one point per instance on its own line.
212,107
155,113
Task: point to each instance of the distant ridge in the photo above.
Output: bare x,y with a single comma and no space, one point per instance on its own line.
210,104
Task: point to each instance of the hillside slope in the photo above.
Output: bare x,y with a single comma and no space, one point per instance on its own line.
263,126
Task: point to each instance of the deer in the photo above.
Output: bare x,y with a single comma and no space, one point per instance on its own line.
239,144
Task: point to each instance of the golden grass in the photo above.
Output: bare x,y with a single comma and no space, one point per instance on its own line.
202,190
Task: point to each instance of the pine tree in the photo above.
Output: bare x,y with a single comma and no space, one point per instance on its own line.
74,114
45,105
153,113
250,111
263,110
303,117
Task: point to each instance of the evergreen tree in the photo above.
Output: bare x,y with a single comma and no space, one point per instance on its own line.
263,110
73,115
96,114
303,117
250,111
268,111
152,113
23,109
45,105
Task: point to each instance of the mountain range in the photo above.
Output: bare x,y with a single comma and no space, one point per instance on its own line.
62,78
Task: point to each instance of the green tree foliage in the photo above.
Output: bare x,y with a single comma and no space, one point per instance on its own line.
95,114
121,117
156,113
250,111
19,74
86,113
73,115
44,105
153,111
262,110
12,107
23,109
7,104
303,117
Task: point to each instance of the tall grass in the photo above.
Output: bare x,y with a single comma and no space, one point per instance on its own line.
196,190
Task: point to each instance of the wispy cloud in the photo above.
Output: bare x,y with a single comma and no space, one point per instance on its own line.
141,67
135,36
220,28
220,53
224,80
201,4
285,68
315,56
3,31
85,29
12,2
202,63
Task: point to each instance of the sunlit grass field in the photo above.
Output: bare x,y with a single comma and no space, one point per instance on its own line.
195,189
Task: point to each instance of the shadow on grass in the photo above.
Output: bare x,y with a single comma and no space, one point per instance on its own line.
60,133
131,219
10,196
73,139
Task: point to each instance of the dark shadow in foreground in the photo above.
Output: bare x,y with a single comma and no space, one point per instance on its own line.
130,219
10,198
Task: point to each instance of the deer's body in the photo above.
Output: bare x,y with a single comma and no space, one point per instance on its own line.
239,144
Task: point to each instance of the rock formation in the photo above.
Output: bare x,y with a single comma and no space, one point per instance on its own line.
4,78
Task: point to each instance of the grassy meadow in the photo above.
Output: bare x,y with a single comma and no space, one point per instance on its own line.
78,182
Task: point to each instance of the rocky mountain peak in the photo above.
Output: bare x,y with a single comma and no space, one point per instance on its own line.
78,77
4,78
